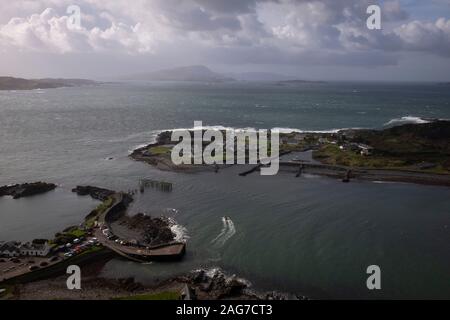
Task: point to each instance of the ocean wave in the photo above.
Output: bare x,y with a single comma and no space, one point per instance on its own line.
153,134
291,130
405,120
216,127
181,233
279,129
136,136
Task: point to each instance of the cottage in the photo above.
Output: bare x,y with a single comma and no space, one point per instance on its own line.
365,149
35,249
10,249
16,249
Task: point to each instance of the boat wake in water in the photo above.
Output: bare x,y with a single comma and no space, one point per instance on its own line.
228,231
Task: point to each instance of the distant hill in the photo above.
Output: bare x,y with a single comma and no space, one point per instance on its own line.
190,73
11,83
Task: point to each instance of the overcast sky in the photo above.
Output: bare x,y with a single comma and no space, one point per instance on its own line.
309,39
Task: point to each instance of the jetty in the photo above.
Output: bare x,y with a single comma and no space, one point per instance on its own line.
345,173
155,184
172,251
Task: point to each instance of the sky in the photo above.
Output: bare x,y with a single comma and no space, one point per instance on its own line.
306,39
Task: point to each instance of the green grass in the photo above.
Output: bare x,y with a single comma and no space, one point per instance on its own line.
78,233
166,295
331,154
159,151
101,208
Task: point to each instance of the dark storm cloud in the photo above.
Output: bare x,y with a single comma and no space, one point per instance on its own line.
233,32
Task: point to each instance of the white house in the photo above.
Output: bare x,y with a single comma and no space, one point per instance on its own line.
365,149
16,249
10,249
34,249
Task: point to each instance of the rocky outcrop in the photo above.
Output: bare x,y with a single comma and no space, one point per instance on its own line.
155,231
164,137
214,284
95,192
26,189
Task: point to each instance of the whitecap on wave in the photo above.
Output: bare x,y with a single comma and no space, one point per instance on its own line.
181,233
405,120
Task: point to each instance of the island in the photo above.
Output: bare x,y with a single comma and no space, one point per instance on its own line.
26,189
11,83
416,153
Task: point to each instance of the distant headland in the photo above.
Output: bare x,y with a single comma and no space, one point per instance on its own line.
11,83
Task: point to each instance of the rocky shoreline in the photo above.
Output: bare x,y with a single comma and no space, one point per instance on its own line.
409,153
94,192
202,284
215,284
23,190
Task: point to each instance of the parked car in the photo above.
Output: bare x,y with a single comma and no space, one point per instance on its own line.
32,268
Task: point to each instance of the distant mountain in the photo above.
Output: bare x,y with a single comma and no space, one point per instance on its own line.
11,83
190,73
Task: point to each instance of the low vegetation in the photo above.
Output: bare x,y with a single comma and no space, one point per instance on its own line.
423,147
68,235
101,208
159,150
331,154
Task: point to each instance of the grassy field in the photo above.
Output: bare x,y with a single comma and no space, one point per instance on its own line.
159,150
331,154
102,207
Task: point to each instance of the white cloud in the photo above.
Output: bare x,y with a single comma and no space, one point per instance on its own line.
426,36
48,32
247,30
